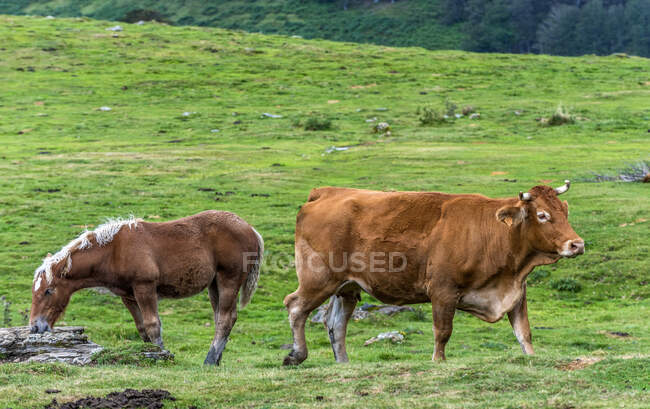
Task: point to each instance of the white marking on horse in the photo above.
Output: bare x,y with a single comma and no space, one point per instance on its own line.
38,282
103,235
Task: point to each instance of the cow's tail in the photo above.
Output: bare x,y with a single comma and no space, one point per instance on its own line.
250,285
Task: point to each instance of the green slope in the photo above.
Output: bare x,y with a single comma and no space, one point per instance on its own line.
66,165
405,23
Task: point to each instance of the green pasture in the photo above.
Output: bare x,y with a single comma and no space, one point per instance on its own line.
186,116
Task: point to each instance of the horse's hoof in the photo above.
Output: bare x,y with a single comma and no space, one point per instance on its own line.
212,358
291,360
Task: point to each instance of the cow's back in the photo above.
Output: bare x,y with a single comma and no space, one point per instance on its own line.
371,213
338,223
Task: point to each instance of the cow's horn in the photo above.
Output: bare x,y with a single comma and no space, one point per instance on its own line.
525,197
562,189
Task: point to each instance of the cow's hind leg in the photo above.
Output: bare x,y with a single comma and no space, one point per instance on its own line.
315,285
133,308
300,304
223,296
339,311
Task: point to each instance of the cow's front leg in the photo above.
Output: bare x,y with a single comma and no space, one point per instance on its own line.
443,320
519,320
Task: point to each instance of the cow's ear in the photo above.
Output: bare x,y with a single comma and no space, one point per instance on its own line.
565,204
510,215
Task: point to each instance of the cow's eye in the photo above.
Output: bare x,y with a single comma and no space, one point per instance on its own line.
48,291
543,217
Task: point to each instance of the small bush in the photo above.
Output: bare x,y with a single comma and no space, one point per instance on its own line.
317,123
566,284
430,116
561,116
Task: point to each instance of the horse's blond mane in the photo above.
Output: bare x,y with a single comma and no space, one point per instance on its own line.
102,235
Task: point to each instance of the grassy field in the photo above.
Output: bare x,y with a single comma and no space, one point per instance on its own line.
406,23
67,165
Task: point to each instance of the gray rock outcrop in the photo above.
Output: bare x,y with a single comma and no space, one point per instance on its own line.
363,312
64,344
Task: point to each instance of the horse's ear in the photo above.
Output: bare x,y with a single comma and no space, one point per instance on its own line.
48,255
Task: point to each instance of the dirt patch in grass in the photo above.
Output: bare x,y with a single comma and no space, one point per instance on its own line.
617,335
579,363
129,399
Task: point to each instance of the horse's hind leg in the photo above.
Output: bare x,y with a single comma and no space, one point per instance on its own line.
147,299
339,311
224,302
133,308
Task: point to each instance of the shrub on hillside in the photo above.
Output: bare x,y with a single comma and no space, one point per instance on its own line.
315,122
566,284
538,275
561,116
430,116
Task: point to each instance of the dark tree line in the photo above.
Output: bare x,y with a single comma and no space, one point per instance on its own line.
564,27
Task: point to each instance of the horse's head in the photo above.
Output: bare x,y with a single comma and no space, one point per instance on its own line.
51,293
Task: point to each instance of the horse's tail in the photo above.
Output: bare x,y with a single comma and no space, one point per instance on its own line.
250,285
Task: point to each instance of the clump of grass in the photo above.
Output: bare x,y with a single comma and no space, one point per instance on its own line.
431,116
6,311
316,123
450,108
561,116
538,275
136,354
419,314
566,284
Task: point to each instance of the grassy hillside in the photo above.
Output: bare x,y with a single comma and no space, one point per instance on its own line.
406,23
186,114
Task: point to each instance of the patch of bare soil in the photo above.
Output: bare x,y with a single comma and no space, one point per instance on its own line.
579,363
616,334
129,399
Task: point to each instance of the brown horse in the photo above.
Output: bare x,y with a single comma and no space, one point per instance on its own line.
142,262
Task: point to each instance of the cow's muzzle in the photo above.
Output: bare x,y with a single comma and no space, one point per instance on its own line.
572,248
39,326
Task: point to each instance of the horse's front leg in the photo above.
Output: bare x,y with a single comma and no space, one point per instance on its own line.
133,308
147,299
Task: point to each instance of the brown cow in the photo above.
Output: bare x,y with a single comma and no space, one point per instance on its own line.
466,252
142,262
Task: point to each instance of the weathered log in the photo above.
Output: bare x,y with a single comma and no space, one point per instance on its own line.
64,344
